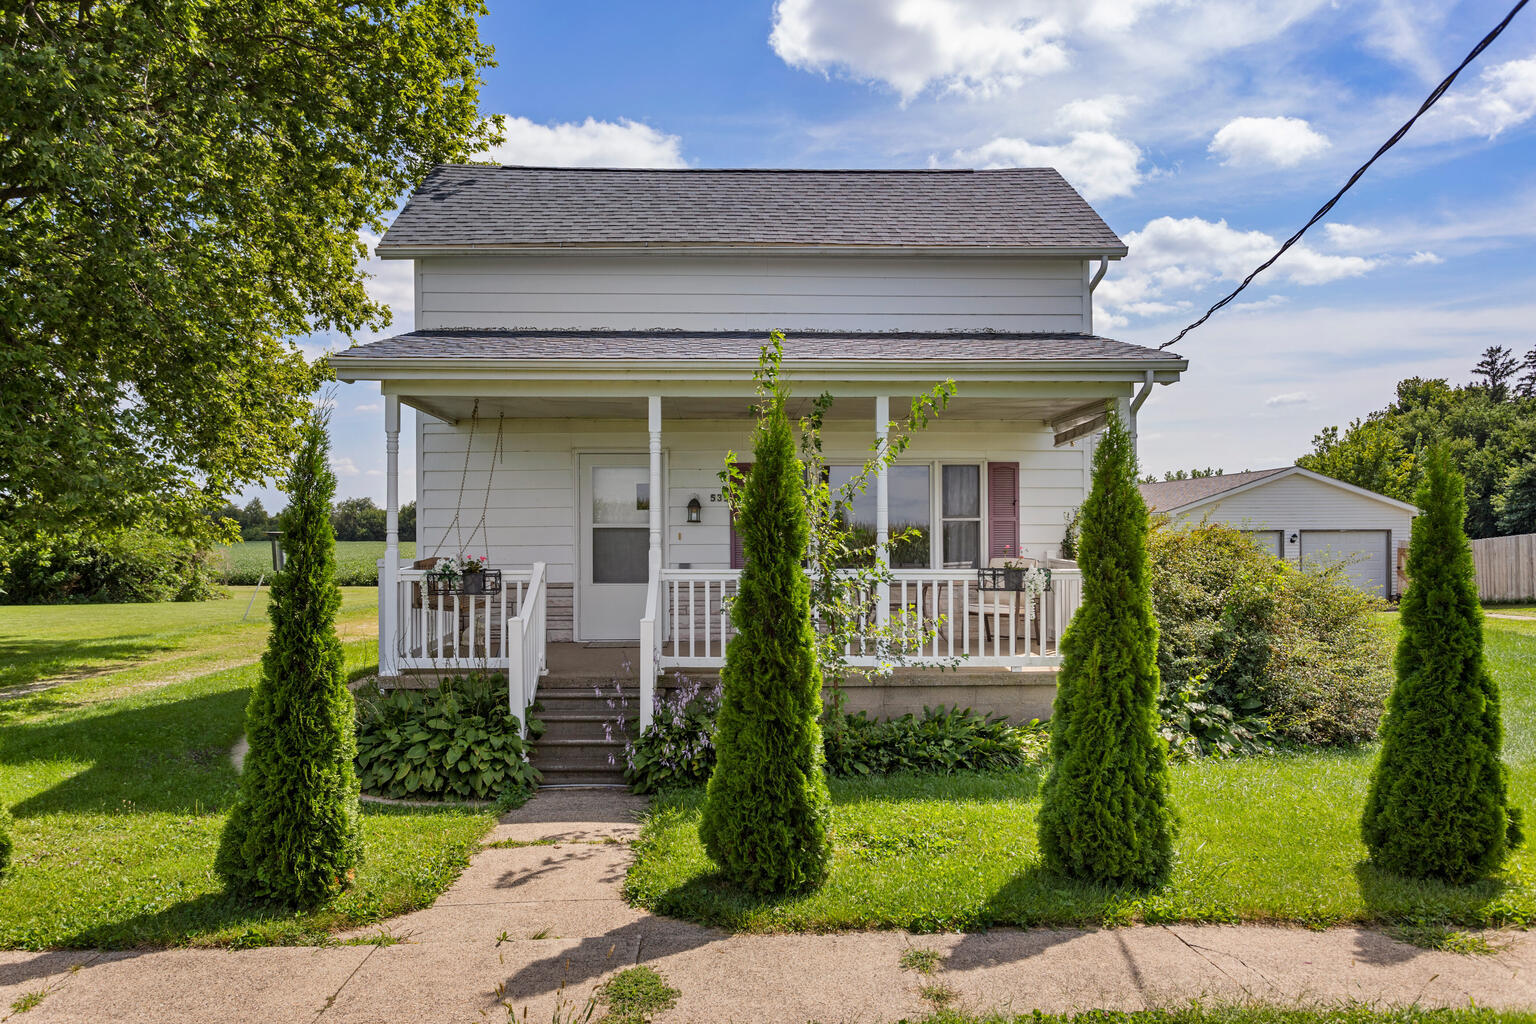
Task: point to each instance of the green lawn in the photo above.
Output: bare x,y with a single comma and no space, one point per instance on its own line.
1263,839
120,783
356,561
129,644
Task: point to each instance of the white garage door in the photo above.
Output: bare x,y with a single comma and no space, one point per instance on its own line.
1364,551
1268,540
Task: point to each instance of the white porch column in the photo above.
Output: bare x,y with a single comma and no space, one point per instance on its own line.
658,500
648,622
389,578
883,507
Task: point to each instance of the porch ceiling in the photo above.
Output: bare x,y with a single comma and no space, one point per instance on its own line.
993,409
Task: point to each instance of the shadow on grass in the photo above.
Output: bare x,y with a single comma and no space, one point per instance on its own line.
171,755
26,662
1423,903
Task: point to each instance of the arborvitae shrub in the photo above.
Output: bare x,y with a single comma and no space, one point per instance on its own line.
766,813
295,834
1438,806
1104,814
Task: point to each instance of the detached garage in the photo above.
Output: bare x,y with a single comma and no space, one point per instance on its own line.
1302,516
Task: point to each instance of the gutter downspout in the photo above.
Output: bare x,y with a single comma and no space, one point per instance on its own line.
1136,404
1099,274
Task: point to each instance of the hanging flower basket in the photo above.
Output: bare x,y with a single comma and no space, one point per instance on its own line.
467,576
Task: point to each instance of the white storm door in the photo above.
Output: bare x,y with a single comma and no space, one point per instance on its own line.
615,545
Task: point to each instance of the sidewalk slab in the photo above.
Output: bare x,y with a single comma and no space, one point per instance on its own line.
198,986
575,871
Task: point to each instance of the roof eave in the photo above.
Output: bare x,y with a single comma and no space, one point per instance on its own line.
406,251
1165,371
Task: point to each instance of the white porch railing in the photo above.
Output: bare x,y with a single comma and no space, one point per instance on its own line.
526,646
474,632
943,611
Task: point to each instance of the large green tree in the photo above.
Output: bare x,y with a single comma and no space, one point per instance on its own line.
294,835
182,187
766,810
1104,814
1486,436
1438,805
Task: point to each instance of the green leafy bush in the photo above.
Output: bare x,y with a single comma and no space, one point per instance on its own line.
457,740
678,748
295,833
128,567
1104,813
1196,726
767,810
5,840
1438,805
1291,654
941,742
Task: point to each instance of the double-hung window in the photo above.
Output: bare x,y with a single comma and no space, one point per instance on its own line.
960,514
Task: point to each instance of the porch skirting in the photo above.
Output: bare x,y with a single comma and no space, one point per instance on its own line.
1017,696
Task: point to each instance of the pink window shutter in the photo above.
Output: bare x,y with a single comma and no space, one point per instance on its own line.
1002,509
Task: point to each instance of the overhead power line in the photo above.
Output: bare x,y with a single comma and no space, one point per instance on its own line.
1322,212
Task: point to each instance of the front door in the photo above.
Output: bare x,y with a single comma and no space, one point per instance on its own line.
615,545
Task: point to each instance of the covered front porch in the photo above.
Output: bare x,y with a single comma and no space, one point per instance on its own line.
594,491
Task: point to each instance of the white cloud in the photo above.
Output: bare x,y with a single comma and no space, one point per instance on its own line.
984,47
344,466
1170,257
1267,141
1506,98
1098,164
1350,236
1091,114
1290,398
1425,258
591,143
368,407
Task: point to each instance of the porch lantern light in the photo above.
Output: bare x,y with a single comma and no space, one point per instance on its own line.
695,510
276,537
1293,537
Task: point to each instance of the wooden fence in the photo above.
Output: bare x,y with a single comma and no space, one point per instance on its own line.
1506,567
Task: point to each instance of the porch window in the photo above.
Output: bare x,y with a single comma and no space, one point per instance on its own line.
960,509
909,489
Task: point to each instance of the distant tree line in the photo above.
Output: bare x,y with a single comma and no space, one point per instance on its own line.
1489,427
352,519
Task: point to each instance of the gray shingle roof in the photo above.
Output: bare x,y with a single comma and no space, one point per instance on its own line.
745,345
462,205
1166,495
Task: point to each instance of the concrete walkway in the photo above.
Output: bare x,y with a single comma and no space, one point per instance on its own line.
537,926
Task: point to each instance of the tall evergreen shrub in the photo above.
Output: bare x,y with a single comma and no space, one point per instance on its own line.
766,811
1438,805
1104,815
295,835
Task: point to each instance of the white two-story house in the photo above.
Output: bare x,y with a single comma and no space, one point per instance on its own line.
582,362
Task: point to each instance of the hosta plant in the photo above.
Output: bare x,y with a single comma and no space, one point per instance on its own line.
457,741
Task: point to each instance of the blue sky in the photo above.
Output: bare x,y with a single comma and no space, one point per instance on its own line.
1204,132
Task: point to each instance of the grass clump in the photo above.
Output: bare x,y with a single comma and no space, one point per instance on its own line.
923,961
1104,814
1445,940
294,835
635,995
1439,800
765,816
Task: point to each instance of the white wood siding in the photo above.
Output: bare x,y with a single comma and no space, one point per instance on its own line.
1295,503
532,515
875,293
